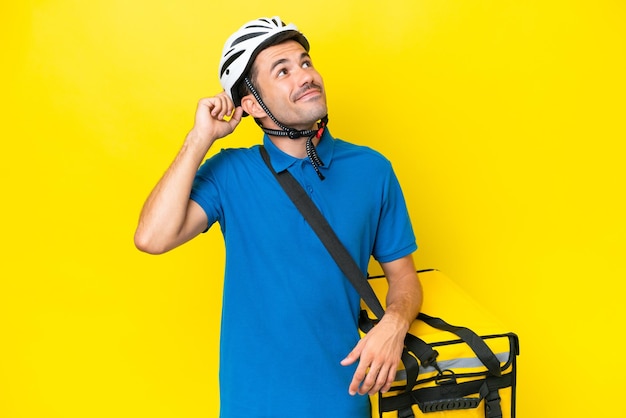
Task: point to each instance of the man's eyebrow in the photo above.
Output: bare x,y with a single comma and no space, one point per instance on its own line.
277,63
284,60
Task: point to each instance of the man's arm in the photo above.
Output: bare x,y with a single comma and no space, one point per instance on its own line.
380,350
169,218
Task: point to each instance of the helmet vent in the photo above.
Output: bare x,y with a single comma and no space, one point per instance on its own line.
230,61
246,37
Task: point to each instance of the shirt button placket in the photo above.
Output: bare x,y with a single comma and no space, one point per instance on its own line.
305,166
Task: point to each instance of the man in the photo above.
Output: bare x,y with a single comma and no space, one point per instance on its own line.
289,343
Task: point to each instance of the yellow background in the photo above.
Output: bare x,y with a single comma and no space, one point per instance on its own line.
504,120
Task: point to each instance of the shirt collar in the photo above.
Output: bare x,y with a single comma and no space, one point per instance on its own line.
282,161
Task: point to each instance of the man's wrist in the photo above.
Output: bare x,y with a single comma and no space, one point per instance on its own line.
398,320
197,143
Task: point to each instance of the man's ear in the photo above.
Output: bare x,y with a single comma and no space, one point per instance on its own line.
251,107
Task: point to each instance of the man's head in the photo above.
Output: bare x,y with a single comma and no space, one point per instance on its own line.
265,65
243,46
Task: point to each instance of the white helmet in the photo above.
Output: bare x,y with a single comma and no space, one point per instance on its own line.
242,47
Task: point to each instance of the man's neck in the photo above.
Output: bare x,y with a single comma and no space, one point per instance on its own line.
294,147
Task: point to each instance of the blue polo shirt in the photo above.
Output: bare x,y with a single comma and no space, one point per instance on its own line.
289,315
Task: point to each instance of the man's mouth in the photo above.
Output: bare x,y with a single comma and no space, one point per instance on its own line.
308,92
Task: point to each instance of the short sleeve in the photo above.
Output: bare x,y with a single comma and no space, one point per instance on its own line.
394,237
205,190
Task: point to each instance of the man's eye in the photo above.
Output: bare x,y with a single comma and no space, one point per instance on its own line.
282,72
307,64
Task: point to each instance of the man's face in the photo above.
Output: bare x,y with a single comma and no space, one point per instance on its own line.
289,85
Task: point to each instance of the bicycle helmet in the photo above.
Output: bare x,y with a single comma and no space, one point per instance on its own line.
242,47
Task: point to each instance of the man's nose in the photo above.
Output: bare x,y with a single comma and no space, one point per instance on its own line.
304,76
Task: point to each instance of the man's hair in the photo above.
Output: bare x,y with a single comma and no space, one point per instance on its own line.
242,88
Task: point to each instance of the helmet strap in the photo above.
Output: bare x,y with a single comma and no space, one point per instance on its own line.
292,133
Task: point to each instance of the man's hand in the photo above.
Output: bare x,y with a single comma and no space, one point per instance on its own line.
378,354
216,117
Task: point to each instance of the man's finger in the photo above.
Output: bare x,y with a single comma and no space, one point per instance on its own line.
354,354
236,118
358,379
381,381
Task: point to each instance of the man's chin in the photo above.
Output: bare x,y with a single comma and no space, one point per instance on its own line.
319,113
303,116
